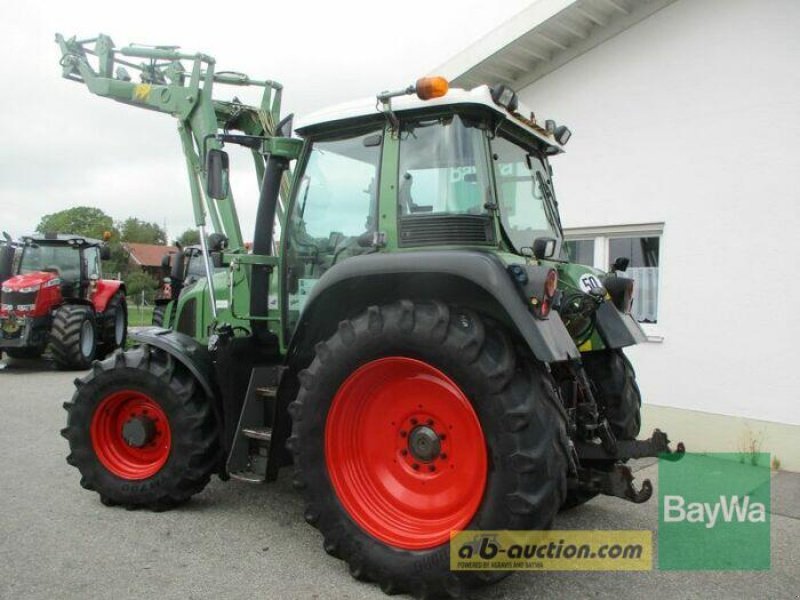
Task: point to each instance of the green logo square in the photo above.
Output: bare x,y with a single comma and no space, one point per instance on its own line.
714,512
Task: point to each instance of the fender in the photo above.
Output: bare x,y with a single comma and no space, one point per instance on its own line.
106,288
616,328
474,279
185,350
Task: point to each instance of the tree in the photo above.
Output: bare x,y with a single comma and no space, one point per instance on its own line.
142,232
78,220
190,237
138,282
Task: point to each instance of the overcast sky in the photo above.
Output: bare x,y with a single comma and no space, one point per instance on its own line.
63,146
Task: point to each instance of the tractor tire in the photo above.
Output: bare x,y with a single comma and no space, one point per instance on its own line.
619,400
28,353
115,328
73,337
618,394
141,431
158,315
410,394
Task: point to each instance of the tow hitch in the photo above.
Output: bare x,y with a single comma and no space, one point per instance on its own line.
618,480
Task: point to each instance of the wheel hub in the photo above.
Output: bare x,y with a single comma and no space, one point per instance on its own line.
424,443
139,431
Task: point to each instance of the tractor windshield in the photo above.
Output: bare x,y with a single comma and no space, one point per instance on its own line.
63,260
528,209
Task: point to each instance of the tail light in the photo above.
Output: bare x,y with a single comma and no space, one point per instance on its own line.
543,301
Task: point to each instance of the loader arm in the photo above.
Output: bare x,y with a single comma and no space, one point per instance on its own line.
180,84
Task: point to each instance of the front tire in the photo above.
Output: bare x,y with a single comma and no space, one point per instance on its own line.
446,376
73,338
141,431
29,353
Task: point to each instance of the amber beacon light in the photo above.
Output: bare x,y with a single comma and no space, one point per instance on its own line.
431,87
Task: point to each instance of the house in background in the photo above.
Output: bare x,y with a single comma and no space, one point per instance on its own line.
147,257
684,158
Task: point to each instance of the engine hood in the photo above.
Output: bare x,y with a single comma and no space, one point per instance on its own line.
28,280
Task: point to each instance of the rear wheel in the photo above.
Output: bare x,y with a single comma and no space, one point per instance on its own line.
141,431
619,400
73,338
115,328
414,420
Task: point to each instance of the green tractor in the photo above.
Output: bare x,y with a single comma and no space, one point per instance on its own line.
412,345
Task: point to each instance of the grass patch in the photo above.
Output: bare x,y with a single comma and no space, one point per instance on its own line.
139,316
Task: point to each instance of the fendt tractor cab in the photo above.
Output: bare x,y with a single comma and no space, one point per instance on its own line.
181,269
411,344
57,296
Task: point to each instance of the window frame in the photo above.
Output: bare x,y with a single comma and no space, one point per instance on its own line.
601,236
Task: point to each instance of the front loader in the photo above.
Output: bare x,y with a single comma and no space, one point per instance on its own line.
409,345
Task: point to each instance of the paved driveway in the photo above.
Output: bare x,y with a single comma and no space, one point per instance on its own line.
240,541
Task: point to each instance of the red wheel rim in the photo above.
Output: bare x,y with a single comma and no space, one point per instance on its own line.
110,445
383,473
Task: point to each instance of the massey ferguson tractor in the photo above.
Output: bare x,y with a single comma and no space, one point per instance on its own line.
411,345
57,296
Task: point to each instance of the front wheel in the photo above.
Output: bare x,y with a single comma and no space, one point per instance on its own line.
31,352
141,431
73,338
414,420
115,328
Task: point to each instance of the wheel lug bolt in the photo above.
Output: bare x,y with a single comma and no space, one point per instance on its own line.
403,433
431,468
414,421
443,456
443,437
415,466
404,452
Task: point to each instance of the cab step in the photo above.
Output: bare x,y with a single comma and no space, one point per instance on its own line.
251,451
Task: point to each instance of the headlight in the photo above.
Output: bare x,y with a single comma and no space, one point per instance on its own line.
6,290
29,289
51,283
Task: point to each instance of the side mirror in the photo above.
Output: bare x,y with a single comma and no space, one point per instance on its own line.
217,165
105,253
544,248
621,264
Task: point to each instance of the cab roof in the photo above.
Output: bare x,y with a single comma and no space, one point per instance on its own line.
479,96
61,239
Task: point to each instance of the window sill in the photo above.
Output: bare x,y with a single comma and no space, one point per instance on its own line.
653,332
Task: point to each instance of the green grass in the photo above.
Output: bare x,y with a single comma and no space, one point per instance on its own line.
140,315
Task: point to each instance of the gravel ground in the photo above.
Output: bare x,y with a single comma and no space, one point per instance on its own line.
240,541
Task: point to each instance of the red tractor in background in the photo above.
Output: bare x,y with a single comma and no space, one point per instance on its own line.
55,294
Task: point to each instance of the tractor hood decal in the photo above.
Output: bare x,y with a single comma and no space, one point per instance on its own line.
35,279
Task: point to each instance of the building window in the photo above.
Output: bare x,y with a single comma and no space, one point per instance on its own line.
579,251
601,246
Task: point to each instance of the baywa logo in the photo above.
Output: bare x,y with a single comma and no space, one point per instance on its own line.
729,509
714,512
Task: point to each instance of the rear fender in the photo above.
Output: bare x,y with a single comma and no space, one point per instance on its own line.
106,288
471,279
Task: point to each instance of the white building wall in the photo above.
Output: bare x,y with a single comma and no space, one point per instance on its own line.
692,117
